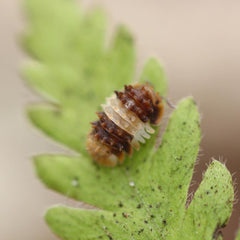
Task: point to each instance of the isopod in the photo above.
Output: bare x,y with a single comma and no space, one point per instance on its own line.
124,123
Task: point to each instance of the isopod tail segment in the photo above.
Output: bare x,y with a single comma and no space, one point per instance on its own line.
124,123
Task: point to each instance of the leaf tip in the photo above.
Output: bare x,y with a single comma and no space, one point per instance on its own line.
52,213
154,73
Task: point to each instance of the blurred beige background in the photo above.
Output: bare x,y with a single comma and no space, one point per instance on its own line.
198,42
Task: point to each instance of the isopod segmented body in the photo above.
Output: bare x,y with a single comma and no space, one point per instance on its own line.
125,121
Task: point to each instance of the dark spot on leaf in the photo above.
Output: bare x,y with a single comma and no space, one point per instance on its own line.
125,215
150,206
114,214
207,192
110,237
184,123
140,231
179,158
164,222
120,204
152,216
146,221
159,187
139,205
180,186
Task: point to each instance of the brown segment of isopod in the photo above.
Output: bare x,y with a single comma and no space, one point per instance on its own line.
124,122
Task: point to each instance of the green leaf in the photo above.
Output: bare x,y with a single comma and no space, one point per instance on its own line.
201,221
75,71
203,214
238,235
144,198
76,223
